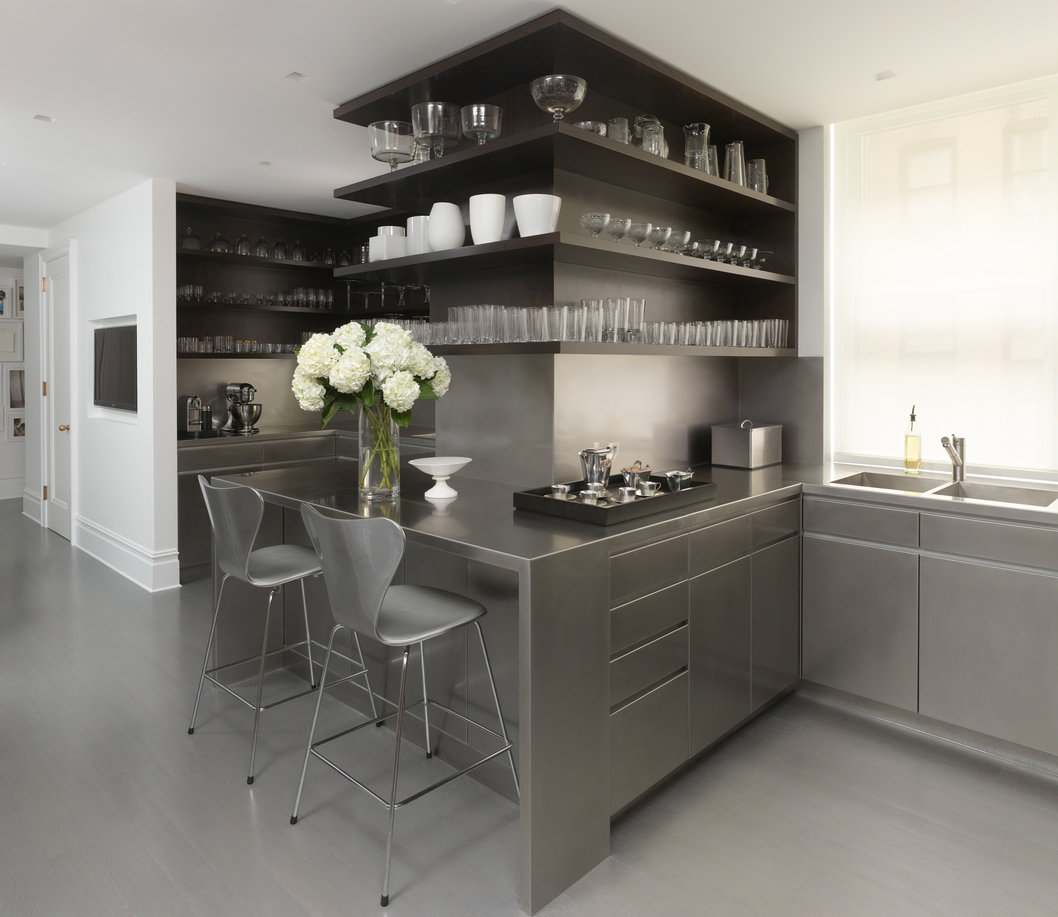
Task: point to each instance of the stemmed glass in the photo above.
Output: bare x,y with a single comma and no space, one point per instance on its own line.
639,232
558,93
594,223
481,122
436,123
659,235
391,142
617,228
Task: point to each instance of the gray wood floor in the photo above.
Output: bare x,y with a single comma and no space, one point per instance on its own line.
107,806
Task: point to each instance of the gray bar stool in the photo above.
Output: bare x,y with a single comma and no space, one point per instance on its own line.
235,514
359,558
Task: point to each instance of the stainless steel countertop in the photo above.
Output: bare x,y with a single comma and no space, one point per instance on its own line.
482,522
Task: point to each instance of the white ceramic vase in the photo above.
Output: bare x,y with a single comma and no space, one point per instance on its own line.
445,228
417,242
537,213
487,215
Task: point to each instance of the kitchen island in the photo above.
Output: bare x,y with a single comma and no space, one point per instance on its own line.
601,636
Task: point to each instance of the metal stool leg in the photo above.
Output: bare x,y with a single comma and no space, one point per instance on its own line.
367,677
316,716
260,683
499,712
308,633
205,659
425,699
396,762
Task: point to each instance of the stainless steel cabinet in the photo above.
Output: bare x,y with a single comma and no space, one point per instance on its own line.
776,626
989,641
860,619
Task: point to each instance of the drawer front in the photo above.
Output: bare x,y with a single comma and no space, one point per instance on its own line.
718,544
211,457
293,450
643,570
651,663
869,523
775,523
648,740
1003,542
653,614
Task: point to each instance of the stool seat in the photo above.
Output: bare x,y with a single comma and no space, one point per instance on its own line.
281,563
412,614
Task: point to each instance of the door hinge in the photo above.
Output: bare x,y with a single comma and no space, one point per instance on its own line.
44,284
44,389
45,491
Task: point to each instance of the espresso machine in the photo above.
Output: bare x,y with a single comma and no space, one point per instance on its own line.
243,411
189,414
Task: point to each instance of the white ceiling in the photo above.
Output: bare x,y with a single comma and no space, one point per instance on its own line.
195,90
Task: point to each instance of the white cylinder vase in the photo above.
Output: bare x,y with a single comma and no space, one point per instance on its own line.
537,213
417,242
487,215
445,228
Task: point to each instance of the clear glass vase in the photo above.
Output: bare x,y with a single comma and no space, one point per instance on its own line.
379,470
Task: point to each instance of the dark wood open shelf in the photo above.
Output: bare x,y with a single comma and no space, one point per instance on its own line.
252,260
585,347
561,247
557,146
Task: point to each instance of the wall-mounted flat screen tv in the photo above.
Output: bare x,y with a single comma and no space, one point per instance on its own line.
115,367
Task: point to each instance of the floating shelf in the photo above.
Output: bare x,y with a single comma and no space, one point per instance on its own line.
582,347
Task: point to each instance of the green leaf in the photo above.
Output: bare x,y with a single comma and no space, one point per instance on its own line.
401,418
426,391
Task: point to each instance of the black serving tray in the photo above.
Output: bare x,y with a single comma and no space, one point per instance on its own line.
610,512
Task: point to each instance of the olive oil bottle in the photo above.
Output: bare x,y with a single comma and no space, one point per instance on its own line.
912,447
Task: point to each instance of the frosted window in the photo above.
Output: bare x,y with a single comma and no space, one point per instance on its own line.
944,295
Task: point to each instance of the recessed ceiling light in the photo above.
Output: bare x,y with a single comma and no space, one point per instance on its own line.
47,119
884,75
264,162
296,77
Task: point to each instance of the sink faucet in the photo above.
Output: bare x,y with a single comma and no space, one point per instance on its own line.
956,448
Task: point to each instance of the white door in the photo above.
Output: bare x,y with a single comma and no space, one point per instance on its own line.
57,439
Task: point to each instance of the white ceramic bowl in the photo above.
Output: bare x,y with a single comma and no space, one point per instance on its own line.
537,213
440,468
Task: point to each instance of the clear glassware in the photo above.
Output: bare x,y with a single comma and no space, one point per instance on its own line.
329,258
261,249
297,253
639,232
659,235
391,141
481,122
677,241
437,124
617,228
190,242
695,145
735,163
242,245
279,250
594,223
220,244
558,93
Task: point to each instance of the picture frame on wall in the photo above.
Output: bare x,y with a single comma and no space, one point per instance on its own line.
14,387
15,427
20,300
5,304
10,341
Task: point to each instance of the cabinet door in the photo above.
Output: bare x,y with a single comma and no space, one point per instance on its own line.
860,620
989,643
776,627
719,652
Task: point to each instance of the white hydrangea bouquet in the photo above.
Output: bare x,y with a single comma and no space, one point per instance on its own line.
380,370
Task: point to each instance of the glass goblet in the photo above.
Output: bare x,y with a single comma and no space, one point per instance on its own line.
558,93
594,223
639,232
678,241
437,124
481,122
391,142
617,228
659,235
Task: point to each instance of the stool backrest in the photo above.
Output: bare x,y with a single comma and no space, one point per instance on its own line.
359,557
235,513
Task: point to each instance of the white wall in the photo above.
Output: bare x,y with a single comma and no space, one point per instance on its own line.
811,241
124,465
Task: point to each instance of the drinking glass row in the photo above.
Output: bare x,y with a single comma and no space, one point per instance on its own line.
225,343
597,320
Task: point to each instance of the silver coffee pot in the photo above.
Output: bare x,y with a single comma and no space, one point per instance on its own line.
597,462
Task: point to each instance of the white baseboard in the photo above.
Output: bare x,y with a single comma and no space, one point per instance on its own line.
153,571
12,488
33,506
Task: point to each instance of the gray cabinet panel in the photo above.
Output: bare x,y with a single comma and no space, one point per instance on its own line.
719,652
775,522
648,740
776,620
220,455
1001,541
989,641
647,665
879,524
716,545
637,572
295,450
860,620
656,613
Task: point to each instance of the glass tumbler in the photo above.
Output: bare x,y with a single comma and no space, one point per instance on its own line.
735,163
696,145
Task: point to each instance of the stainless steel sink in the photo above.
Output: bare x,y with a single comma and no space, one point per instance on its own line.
881,481
998,493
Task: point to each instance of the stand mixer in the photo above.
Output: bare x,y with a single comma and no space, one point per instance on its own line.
242,410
